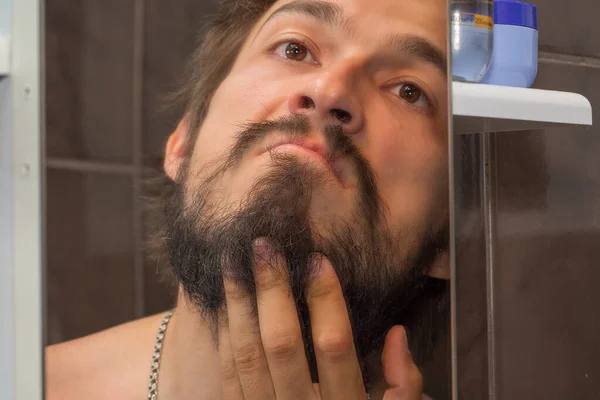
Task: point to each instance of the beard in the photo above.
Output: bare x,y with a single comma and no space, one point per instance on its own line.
382,279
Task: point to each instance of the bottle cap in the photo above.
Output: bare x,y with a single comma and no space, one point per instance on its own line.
514,12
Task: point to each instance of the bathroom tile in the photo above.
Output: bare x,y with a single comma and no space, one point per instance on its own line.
567,27
546,275
545,173
89,56
547,324
89,239
472,359
569,78
522,175
548,228
470,321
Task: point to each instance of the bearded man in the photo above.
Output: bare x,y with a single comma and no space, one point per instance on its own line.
306,215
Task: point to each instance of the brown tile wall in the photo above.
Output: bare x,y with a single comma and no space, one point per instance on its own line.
470,270
91,209
546,274
547,230
90,278
89,54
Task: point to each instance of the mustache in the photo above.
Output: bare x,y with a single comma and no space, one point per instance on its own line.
252,133
338,144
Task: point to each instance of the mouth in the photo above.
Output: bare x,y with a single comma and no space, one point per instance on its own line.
311,149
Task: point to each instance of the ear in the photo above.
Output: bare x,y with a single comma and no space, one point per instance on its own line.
441,266
175,151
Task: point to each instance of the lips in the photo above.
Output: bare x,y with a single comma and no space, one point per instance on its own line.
318,150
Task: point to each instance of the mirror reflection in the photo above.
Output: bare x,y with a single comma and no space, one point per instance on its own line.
280,230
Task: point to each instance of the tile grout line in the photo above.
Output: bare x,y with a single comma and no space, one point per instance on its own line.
549,57
99,167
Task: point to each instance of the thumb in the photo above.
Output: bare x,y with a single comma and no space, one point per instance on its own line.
400,371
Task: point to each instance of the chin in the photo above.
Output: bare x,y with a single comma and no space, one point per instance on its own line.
328,199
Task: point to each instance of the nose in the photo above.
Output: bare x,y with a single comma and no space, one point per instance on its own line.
329,98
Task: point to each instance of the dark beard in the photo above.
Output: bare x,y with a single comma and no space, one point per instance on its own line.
379,280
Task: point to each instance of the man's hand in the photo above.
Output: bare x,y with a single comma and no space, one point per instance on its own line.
265,359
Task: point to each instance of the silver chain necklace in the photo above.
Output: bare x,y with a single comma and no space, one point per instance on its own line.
160,337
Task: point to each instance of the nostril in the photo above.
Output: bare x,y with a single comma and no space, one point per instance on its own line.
341,115
306,102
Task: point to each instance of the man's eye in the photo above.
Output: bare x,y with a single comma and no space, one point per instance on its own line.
413,95
295,51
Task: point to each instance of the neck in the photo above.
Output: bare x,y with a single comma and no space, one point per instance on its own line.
190,365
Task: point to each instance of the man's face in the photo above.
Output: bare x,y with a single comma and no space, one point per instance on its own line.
340,106
396,98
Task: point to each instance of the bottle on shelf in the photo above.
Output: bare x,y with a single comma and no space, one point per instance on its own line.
471,41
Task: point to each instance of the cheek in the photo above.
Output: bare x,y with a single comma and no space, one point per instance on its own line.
412,171
241,98
249,94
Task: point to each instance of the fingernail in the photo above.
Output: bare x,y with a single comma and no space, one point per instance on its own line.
264,249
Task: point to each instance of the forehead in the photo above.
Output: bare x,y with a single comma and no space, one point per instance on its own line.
368,20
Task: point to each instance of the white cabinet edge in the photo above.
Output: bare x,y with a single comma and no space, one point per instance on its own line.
4,55
502,102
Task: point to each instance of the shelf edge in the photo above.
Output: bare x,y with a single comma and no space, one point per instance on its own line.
502,102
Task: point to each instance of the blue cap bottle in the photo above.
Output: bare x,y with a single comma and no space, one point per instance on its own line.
515,55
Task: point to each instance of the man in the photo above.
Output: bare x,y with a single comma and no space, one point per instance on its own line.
306,219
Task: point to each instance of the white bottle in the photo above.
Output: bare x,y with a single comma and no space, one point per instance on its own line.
471,40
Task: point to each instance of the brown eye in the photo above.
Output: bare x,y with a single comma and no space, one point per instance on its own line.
296,51
410,93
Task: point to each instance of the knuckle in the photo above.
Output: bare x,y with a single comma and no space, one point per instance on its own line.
233,292
228,370
324,289
283,346
334,347
247,357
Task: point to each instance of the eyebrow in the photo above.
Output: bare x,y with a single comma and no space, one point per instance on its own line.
323,11
333,15
416,46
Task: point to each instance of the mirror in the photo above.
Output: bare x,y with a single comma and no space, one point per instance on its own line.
281,184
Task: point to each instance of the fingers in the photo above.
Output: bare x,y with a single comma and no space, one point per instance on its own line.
263,358
400,372
246,345
279,326
340,376
230,382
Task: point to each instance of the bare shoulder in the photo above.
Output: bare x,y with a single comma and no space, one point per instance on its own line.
112,364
